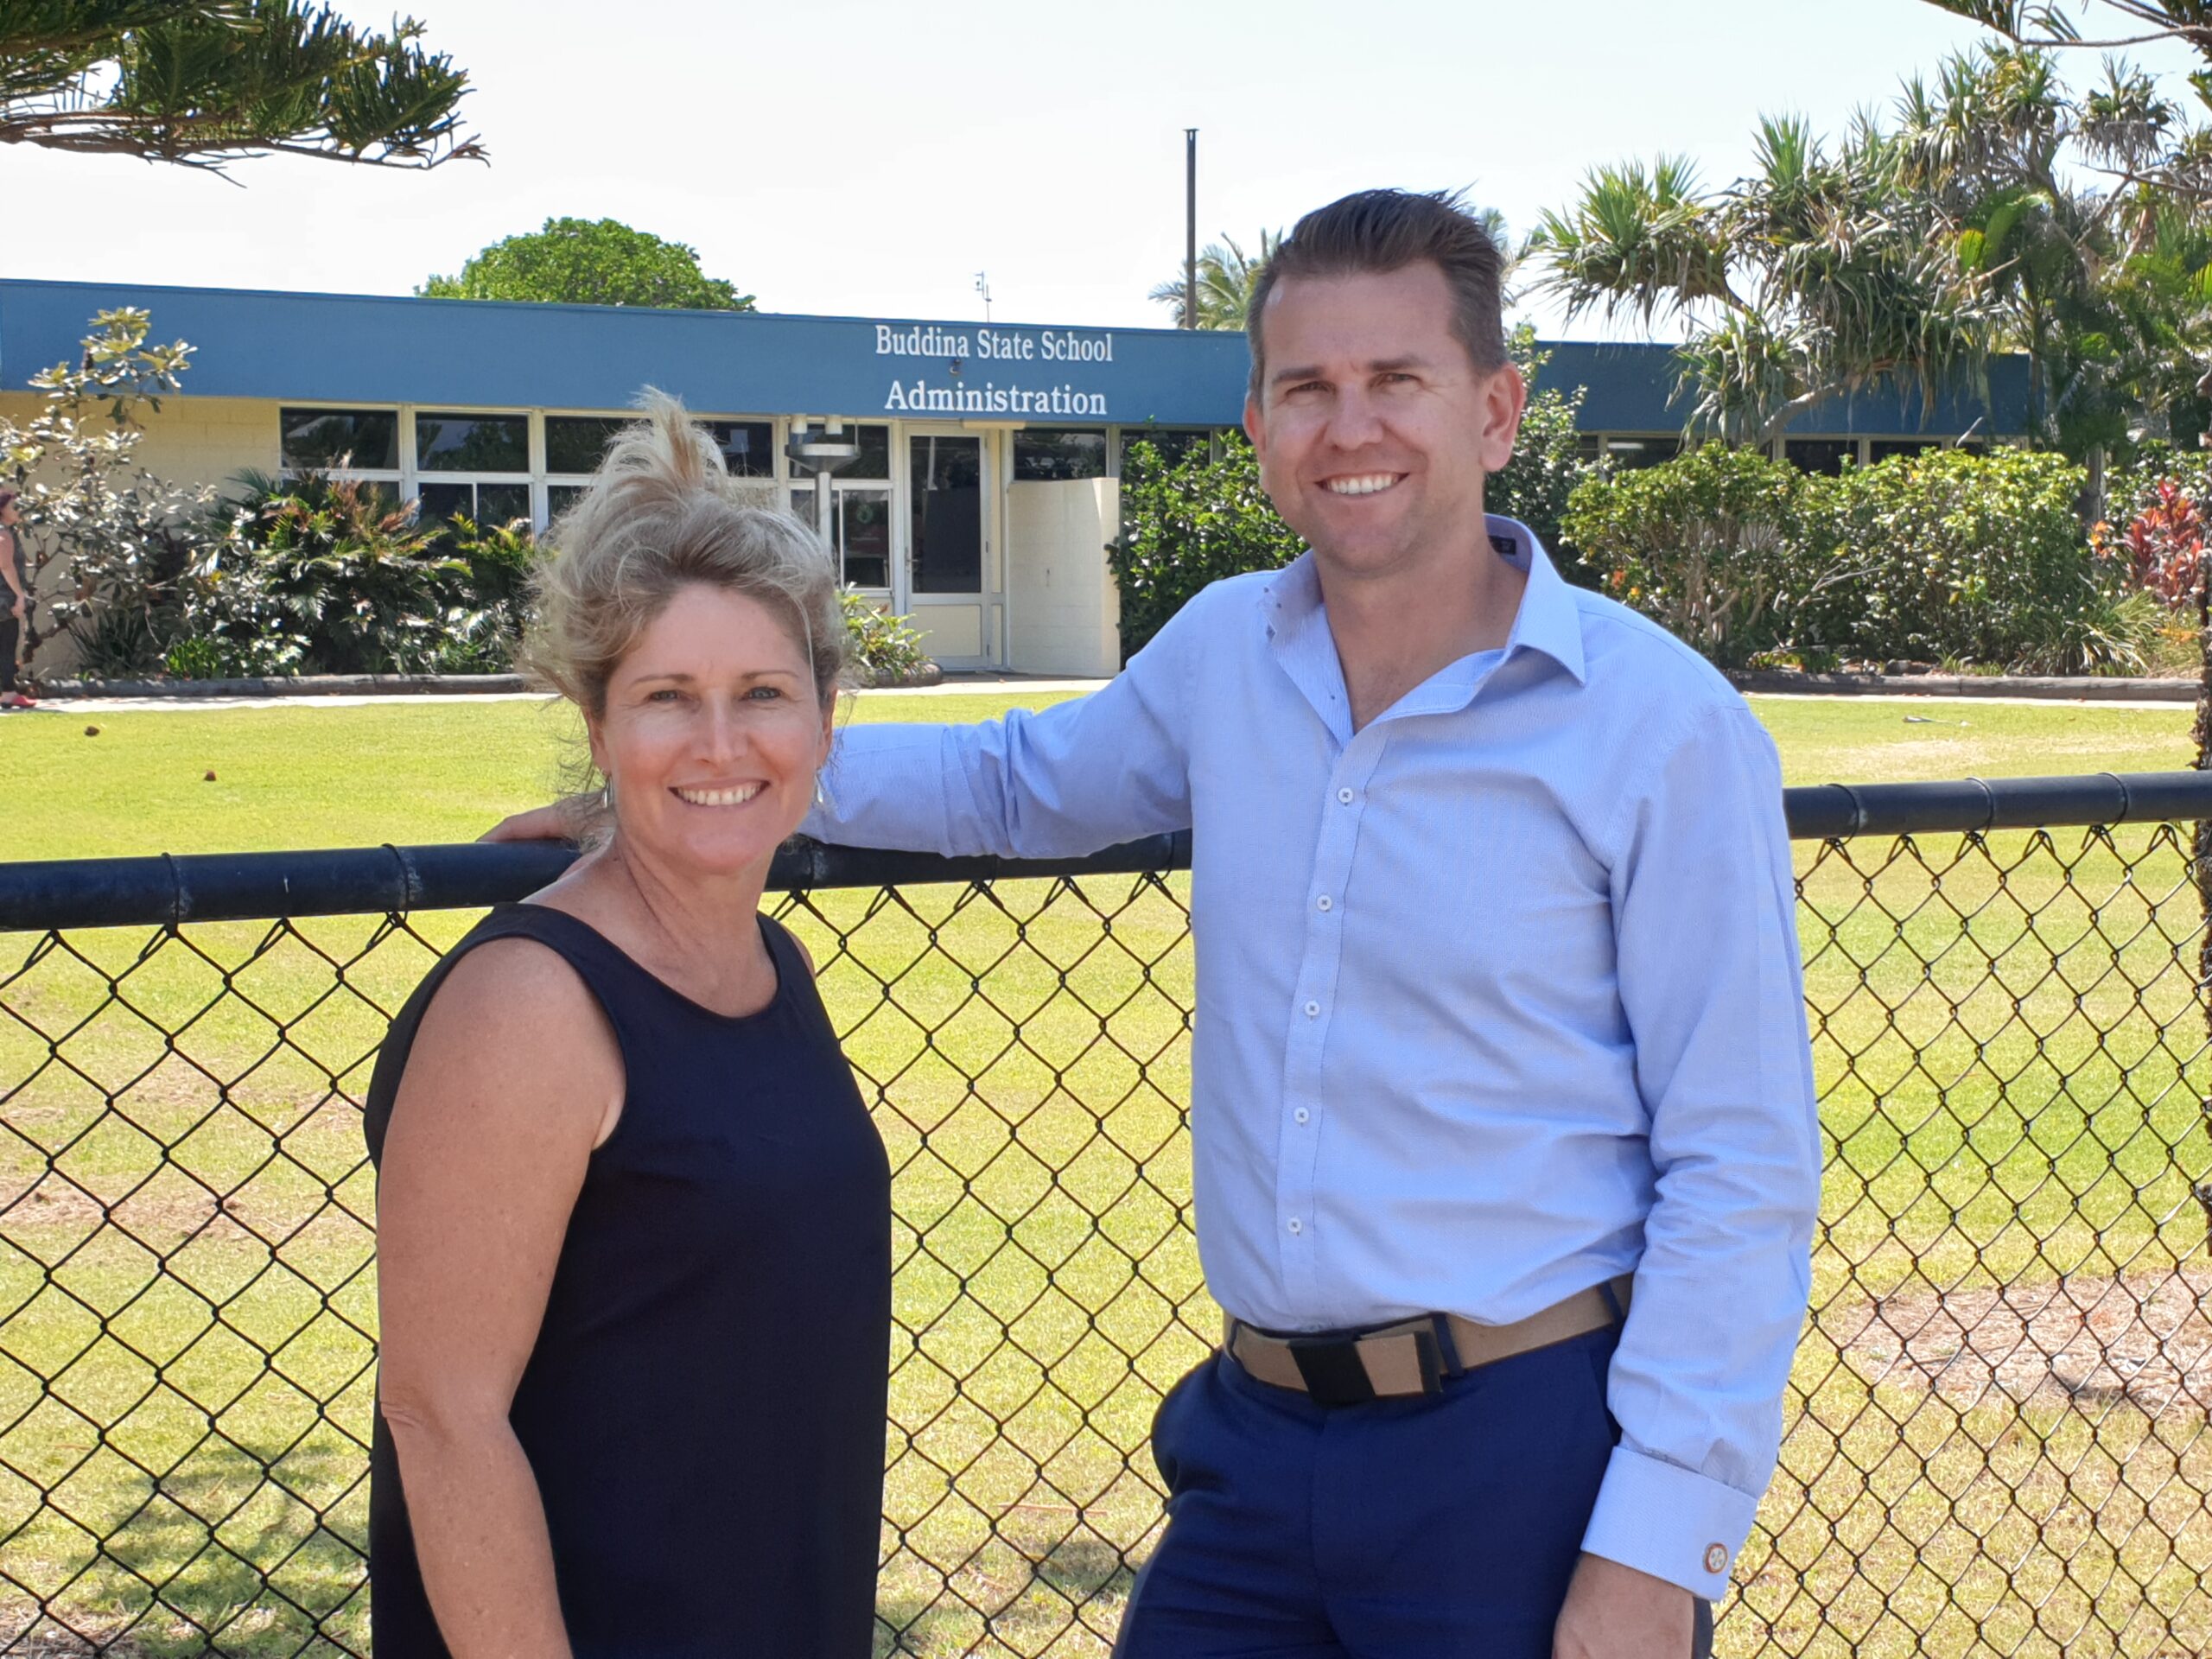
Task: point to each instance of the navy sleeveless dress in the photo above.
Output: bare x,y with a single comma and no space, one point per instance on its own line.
704,1409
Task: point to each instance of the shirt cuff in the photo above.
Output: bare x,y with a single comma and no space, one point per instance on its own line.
1665,1520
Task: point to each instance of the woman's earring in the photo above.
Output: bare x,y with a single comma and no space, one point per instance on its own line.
822,793
606,795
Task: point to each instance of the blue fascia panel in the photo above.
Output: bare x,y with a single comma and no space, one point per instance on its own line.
345,348
471,353
1632,386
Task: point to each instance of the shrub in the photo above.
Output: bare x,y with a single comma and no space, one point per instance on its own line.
1185,524
1536,485
1943,558
1948,557
328,576
1706,545
886,650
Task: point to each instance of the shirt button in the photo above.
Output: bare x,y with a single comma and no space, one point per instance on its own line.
1313,1010
1296,1226
1302,1114
1344,795
1325,901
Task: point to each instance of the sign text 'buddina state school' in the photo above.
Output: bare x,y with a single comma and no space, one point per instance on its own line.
960,394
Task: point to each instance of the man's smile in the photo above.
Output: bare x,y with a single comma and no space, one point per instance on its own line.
1361,483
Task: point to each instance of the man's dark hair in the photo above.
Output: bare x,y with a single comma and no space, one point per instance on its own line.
1382,231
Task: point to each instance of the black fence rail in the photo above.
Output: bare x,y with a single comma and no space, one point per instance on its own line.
1997,1433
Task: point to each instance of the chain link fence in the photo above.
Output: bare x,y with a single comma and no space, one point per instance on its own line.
1996,1436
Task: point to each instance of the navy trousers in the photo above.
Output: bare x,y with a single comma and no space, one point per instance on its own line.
1443,1527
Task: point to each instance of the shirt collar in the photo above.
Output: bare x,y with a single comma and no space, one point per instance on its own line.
1549,620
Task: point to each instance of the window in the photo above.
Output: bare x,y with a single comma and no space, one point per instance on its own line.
859,529
1888,448
1043,455
351,440
471,443
485,503
559,497
1174,443
749,447
1828,456
576,443
1629,453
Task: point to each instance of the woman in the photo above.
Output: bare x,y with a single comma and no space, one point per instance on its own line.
17,574
633,1222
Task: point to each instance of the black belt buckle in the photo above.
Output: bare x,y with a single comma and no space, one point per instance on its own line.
1334,1375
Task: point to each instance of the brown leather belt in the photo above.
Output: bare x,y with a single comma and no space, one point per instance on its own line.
1414,1356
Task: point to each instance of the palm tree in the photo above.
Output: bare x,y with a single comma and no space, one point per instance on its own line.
1227,276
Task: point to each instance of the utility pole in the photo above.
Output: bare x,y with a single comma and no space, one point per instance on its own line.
1190,227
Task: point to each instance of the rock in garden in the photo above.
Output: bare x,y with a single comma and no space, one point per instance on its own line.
209,778
92,731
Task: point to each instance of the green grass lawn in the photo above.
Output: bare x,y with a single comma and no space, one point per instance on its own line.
2009,1052
293,776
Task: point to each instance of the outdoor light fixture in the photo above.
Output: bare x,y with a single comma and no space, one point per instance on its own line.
821,450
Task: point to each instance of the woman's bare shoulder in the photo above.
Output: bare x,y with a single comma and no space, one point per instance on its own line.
514,1022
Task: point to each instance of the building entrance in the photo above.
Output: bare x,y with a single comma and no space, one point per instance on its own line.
950,489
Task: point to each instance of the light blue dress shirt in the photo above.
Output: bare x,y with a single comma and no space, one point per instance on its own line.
1497,996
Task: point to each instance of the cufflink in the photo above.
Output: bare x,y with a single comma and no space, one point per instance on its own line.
1716,1558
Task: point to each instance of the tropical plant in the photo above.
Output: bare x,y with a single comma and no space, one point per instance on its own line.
589,261
1227,275
324,574
2163,545
1819,273
206,82
886,650
103,536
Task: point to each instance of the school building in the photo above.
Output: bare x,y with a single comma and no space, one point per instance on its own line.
983,489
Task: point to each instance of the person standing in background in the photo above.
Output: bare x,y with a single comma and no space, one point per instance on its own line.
17,572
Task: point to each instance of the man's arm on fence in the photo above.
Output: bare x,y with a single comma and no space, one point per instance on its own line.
1711,983
1066,781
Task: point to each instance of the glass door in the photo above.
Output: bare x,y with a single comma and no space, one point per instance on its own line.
948,495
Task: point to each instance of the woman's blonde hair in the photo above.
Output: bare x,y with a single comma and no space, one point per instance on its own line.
661,515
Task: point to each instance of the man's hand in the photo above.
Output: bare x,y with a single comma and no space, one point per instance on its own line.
16,609
1614,1612
563,820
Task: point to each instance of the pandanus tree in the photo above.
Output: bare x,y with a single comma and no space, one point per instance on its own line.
1820,272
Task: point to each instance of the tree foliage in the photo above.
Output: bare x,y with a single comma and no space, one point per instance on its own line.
590,262
1993,209
1227,276
1944,557
108,544
1819,273
206,82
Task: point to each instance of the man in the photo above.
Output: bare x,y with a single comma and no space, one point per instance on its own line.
1506,1161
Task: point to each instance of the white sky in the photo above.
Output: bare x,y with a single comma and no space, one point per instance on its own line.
866,157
